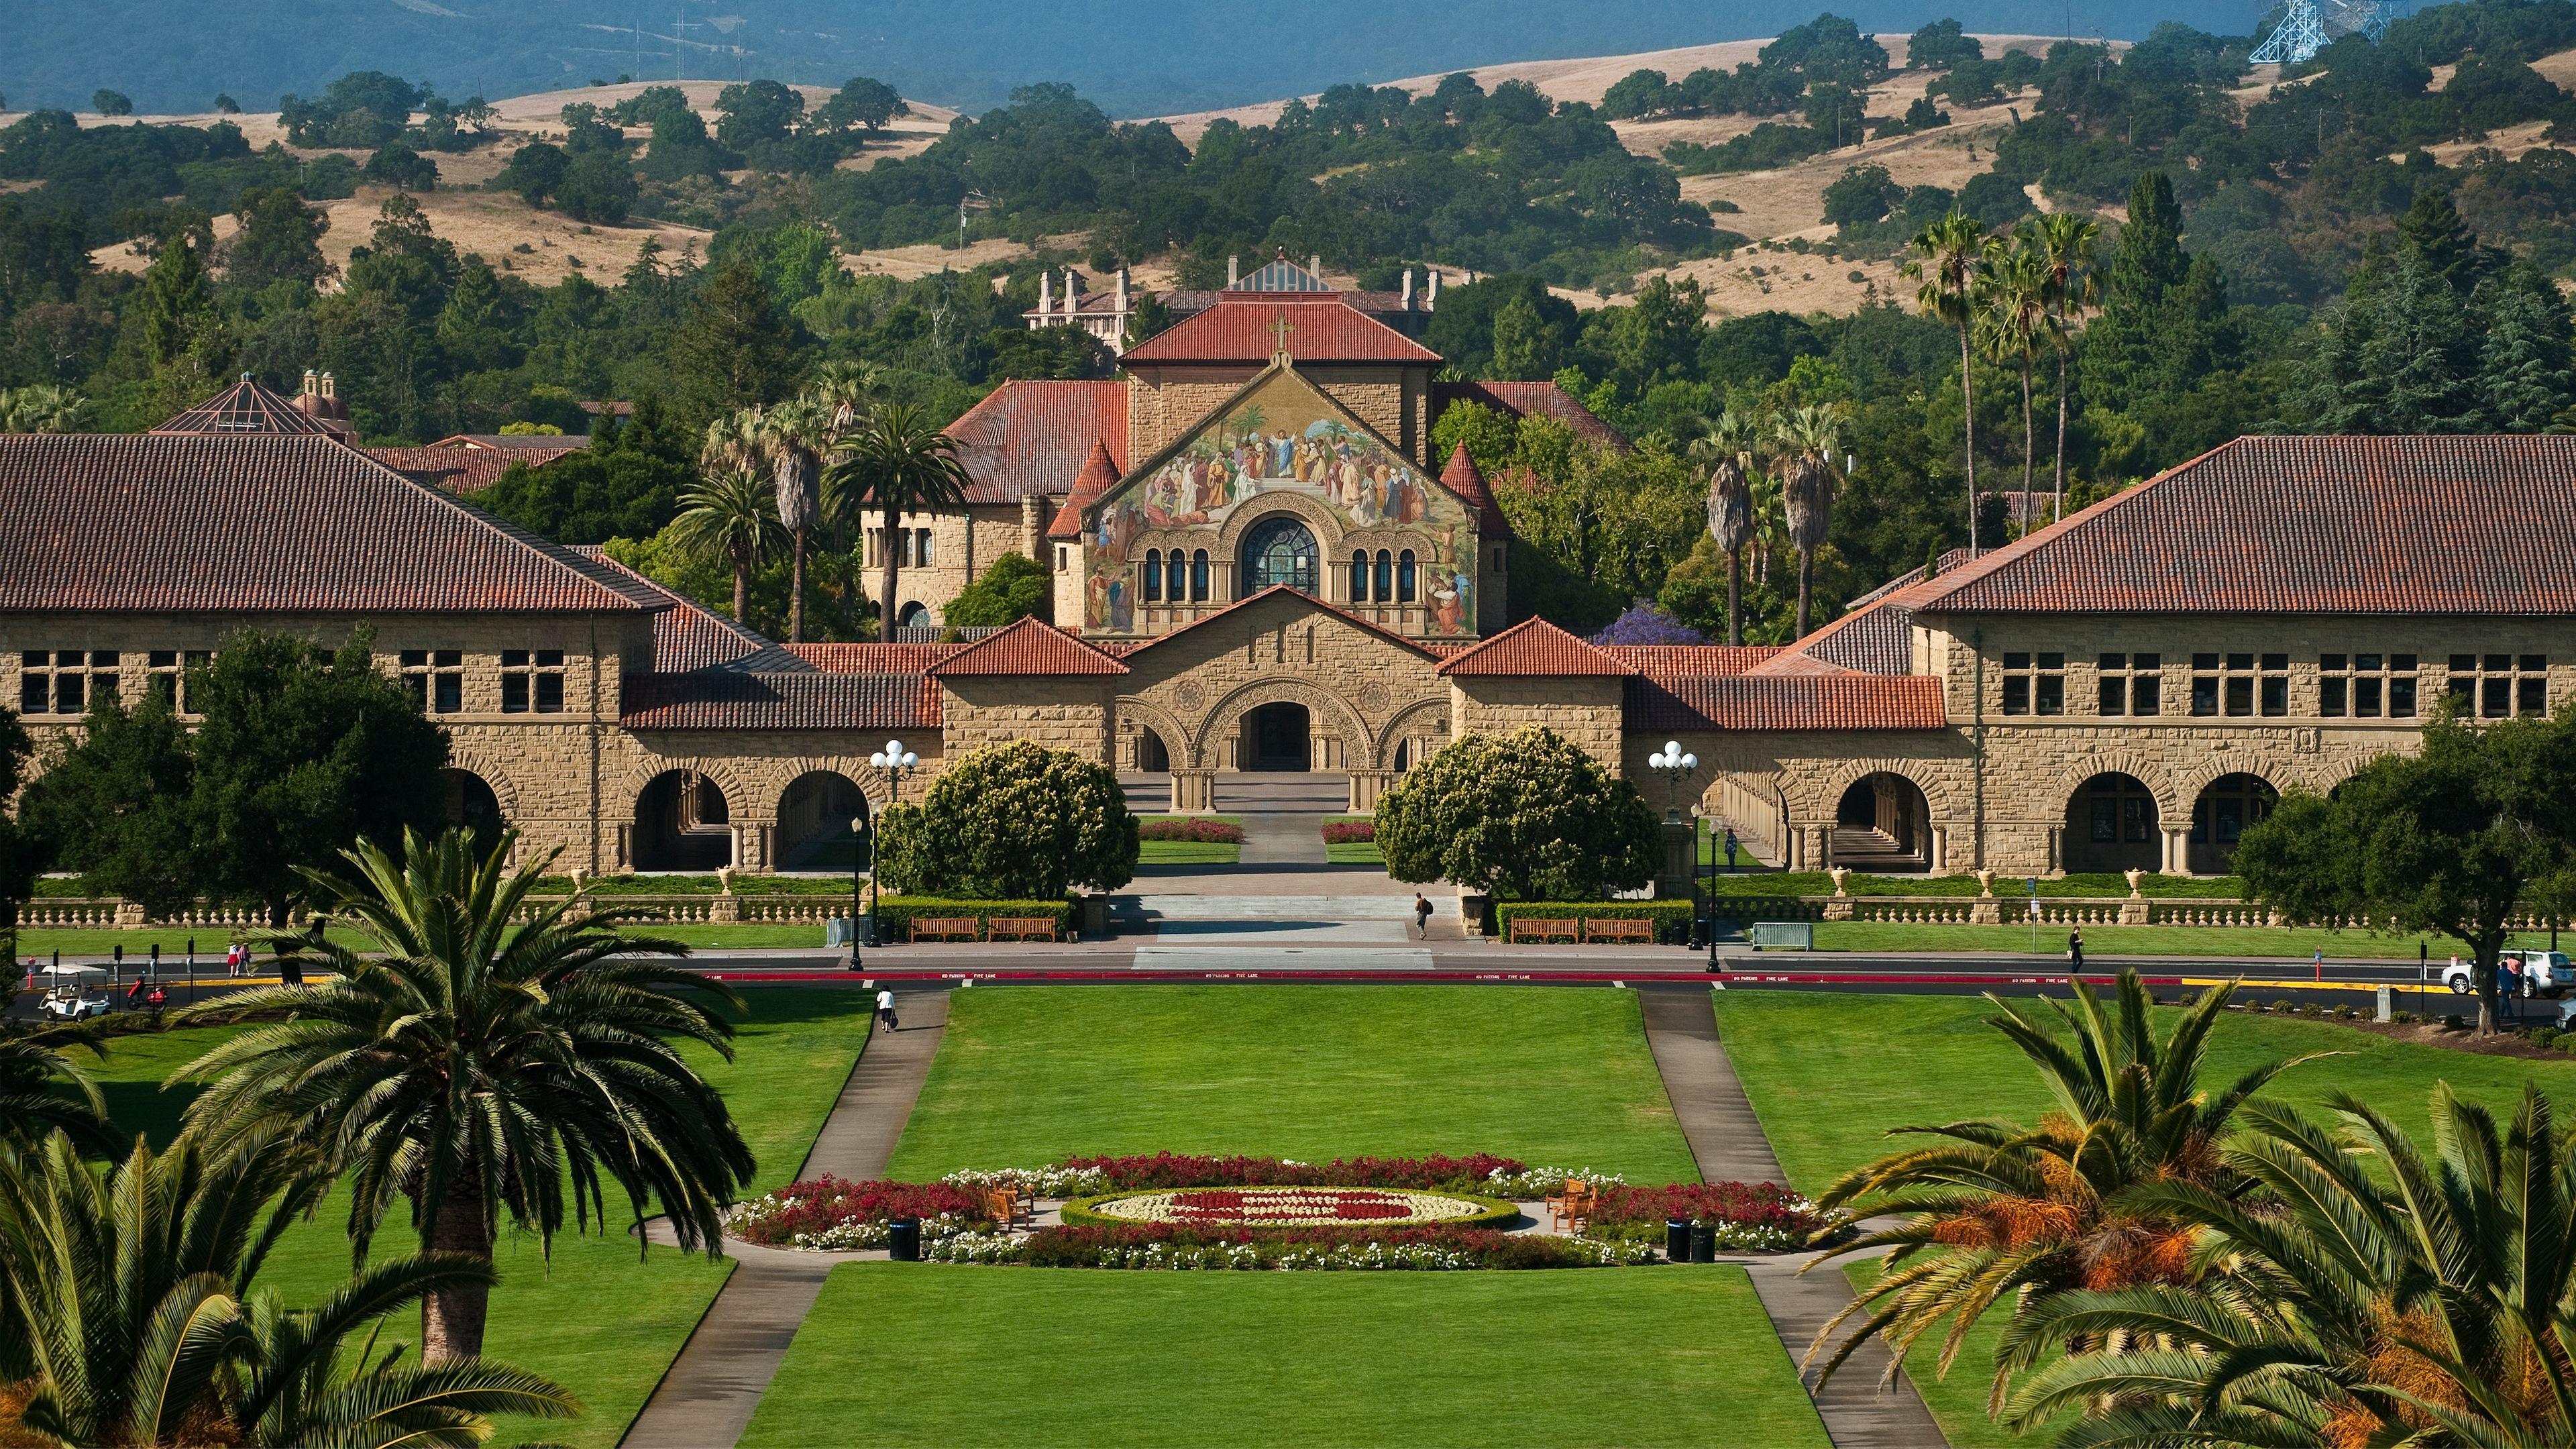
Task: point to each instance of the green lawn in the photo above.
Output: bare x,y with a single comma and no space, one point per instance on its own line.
1353,852
1830,1073
595,1318
962,1357
1188,852
1957,1399
1029,1075
210,944
2290,943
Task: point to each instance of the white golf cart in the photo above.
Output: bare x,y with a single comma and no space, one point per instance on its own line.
73,993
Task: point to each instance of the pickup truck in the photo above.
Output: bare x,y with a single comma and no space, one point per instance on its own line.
2544,973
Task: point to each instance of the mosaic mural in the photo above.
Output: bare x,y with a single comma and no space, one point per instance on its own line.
1285,438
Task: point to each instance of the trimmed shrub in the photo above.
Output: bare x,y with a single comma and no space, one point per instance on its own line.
1016,820
1672,918
895,913
1084,1212
1350,832
1525,816
1208,832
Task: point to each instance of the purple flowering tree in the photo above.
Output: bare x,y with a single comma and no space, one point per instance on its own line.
1646,624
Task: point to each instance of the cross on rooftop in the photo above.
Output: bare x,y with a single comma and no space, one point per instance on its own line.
1279,330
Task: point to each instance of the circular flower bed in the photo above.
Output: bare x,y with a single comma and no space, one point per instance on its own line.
1291,1207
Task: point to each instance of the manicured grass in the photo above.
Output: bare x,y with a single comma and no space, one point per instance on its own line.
1829,1074
595,1318
210,945
897,1354
1187,852
1031,1074
1352,852
2222,942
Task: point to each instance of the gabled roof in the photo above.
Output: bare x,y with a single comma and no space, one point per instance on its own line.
1098,477
2306,525
866,658
247,407
1683,661
1032,437
1425,647
722,700
461,471
1460,476
689,636
1030,646
1280,275
1756,702
265,523
1244,330
1534,648
555,443
1528,399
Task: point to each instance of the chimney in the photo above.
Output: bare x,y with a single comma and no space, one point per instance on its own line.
1431,292
1315,264
1408,289
1122,291
1046,295
1233,272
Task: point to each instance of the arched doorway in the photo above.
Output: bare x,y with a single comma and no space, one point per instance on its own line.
2111,826
1883,824
682,822
914,616
2225,808
1276,551
1279,737
470,804
1152,755
814,815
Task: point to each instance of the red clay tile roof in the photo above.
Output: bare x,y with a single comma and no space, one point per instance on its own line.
1030,437
1321,330
1099,474
2298,525
1528,399
1249,600
1755,702
1535,647
555,443
720,700
1679,661
873,658
461,471
688,636
1030,646
1459,476
247,407
262,523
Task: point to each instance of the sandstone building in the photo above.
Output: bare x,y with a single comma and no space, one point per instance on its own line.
1260,567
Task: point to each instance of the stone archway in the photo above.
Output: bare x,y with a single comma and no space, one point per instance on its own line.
1340,740
1417,732
814,830
471,804
2113,823
2220,815
1882,825
683,822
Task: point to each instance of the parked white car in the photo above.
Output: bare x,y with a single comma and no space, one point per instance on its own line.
2544,973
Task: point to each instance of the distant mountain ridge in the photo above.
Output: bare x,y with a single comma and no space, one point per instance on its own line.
1179,55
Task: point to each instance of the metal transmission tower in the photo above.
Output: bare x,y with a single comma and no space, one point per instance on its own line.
2309,26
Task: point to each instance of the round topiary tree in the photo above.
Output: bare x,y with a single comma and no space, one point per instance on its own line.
1016,821
1525,816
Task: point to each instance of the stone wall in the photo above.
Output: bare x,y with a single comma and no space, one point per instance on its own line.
1163,403
962,546
1589,711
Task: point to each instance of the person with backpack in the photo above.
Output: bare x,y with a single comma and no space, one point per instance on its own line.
1422,915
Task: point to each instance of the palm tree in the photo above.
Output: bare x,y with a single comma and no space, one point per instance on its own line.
732,516
848,388
2369,1296
43,1092
1726,447
2014,323
793,437
484,1052
897,463
1808,440
42,408
2066,242
128,1314
1998,1209
1950,261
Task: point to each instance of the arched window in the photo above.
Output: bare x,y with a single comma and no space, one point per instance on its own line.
1153,576
1385,576
1199,577
1278,551
1404,578
1176,577
1359,575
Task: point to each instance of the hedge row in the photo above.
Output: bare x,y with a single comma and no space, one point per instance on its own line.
1083,1212
1672,918
895,914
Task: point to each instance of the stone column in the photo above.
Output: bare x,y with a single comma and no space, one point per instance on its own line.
2177,851
1193,792
1366,786
1939,864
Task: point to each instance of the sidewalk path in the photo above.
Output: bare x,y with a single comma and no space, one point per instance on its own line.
1726,1140
706,1398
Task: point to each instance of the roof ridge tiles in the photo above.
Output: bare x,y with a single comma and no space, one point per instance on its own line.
1030,646
1535,647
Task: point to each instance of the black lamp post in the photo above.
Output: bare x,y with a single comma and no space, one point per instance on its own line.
894,759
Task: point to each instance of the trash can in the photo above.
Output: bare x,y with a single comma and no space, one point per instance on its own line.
1677,1233
903,1240
1704,1243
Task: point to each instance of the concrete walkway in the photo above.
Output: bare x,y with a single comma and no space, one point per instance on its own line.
1727,1141
706,1399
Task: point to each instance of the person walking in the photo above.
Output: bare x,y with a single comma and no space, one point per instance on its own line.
885,1009
2075,950
1422,915
1730,850
2509,987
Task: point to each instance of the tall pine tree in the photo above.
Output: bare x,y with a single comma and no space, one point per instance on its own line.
2523,365
2121,348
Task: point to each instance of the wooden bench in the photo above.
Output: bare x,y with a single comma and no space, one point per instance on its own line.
1538,928
1570,1209
1023,928
944,928
1619,928
1010,1207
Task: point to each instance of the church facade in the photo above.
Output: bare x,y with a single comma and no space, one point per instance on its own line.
1259,567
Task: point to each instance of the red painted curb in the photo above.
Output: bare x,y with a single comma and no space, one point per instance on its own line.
1435,977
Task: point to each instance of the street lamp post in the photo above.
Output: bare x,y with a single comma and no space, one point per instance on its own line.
894,759
1673,764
